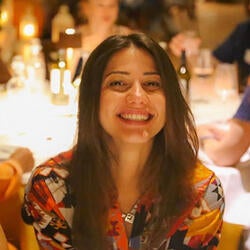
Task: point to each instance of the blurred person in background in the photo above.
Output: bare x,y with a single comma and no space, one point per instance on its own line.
236,49
94,19
50,9
3,241
164,20
11,170
161,19
101,19
226,142
100,22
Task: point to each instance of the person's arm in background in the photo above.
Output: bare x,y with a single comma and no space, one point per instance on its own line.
11,171
225,51
3,241
182,41
225,143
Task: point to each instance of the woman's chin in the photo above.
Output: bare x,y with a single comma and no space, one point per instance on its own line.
137,138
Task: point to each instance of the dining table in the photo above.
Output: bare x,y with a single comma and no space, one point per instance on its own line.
30,119
207,106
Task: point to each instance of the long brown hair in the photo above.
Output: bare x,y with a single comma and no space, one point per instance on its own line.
169,168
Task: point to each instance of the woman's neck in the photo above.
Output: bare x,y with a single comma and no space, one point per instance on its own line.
127,170
99,29
130,160
93,35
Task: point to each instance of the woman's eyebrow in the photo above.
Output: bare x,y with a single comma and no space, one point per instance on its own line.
152,73
127,73
117,72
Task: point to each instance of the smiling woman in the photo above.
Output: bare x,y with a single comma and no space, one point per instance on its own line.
133,180
139,110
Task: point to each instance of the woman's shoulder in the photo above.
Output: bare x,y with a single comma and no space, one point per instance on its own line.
56,168
48,195
204,220
244,24
202,173
242,29
205,180
208,187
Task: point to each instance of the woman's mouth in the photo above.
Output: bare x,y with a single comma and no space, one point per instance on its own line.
136,117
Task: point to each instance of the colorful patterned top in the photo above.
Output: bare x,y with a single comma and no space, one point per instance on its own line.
49,206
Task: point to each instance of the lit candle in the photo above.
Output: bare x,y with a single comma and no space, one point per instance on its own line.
70,57
60,83
55,80
67,81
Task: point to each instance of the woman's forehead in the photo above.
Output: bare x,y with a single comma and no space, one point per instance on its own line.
103,2
131,59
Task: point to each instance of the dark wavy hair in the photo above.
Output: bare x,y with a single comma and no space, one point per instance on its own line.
169,167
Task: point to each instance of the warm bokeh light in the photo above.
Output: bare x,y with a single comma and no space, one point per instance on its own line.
28,30
28,27
4,17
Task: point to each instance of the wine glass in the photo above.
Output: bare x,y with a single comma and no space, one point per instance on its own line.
225,80
203,66
18,81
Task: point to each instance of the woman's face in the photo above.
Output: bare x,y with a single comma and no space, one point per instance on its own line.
102,11
132,104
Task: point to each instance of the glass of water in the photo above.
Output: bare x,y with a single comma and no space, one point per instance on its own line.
225,80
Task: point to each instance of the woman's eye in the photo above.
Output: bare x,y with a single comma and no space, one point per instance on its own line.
118,85
152,85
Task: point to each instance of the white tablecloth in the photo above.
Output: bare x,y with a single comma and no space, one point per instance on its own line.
237,197
32,121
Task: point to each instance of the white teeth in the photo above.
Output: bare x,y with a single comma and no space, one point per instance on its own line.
135,117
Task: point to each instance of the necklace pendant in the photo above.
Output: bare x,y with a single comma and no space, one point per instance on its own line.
129,217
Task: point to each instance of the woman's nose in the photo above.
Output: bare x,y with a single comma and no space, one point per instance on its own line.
137,94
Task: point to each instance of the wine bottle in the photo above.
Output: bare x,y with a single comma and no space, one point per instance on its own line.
61,21
184,76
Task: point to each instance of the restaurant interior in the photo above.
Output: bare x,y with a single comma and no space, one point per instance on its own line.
38,109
